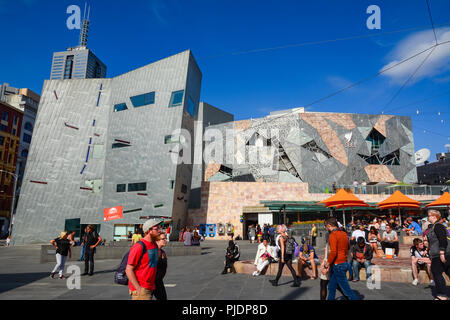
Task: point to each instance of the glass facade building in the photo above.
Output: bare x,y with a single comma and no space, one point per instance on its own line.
76,63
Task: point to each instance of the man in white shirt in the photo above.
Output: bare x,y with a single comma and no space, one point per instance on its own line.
358,233
263,257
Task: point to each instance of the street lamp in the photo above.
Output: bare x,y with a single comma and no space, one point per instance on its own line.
13,200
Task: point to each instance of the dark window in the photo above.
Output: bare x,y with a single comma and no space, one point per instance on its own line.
26,138
2,139
14,131
68,68
121,187
24,153
28,126
143,99
3,127
120,107
5,115
119,145
16,119
172,184
184,188
176,99
140,186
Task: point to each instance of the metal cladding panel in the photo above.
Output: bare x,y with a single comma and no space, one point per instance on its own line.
147,159
57,154
61,161
344,137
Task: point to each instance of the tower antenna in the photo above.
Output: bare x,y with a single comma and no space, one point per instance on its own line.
85,28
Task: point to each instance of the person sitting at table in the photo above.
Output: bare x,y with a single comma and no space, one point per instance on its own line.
390,240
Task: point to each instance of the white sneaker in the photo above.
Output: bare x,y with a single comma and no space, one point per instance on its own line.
255,273
415,282
432,284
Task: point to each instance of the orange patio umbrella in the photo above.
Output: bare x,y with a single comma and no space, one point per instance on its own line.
343,199
398,200
443,200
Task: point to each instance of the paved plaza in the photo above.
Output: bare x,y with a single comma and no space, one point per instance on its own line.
198,277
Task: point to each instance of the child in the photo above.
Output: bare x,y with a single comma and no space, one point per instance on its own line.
8,240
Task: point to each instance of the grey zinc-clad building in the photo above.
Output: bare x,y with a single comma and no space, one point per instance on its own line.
101,143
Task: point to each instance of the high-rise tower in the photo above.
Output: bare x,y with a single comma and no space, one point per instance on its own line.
78,62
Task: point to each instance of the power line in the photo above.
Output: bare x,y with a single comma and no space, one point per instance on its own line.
431,19
304,44
410,77
369,77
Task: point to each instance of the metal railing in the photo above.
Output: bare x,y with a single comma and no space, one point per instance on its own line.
384,189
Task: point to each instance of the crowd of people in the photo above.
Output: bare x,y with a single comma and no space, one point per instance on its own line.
348,250
64,243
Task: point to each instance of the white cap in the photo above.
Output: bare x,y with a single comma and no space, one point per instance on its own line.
151,223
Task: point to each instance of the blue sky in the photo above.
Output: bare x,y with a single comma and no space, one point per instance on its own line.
129,34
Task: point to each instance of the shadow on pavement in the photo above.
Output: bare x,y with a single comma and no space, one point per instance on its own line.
104,271
295,293
15,280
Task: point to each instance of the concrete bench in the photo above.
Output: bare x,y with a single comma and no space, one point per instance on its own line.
117,252
247,266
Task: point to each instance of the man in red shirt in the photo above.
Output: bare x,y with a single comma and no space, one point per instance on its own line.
141,271
337,260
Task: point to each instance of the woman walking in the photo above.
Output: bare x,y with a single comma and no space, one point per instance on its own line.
160,291
62,245
285,255
439,246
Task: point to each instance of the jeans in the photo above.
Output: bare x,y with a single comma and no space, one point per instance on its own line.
339,277
60,262
358,265
82,253
350,270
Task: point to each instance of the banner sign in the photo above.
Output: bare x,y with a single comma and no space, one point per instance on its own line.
113,213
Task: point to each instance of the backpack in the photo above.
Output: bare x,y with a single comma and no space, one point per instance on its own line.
290,245
120,277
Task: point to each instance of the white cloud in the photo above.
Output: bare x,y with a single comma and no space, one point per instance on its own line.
436,64
338,82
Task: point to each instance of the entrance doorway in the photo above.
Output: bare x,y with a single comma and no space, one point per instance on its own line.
249,219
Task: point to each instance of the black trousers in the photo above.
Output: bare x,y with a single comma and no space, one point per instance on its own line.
288,262
437,268
229,262
393,245
160,290
89,261
313,241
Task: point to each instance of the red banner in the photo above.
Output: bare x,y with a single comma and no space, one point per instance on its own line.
113,213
